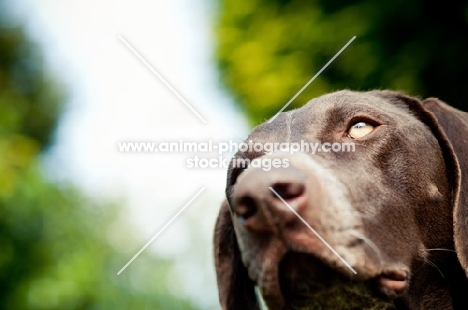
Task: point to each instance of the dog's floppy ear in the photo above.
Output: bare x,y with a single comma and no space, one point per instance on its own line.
236,290
455,126
450,127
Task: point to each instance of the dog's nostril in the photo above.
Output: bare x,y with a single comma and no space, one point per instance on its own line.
246,208
288,190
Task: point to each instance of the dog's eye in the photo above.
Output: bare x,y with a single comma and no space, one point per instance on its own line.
360,130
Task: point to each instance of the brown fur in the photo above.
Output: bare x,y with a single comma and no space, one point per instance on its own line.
404,188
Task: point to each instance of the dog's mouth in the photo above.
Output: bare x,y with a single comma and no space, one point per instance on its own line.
302,276
306,280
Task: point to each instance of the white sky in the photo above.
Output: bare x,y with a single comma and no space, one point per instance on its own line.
115,98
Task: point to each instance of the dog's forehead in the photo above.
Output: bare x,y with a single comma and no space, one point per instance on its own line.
322,111
346,102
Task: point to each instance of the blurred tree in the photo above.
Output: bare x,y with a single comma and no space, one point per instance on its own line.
268,50
55,245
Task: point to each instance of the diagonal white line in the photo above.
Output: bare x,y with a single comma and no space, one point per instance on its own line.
161,230
313,230
312,79
161,78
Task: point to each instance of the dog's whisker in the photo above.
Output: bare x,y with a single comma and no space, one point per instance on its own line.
435,266
441,249
369,242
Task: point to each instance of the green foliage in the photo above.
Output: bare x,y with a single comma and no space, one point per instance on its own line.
268,50
56,254
58,249
29,99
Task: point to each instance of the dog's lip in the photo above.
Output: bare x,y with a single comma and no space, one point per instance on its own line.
394,280
387,283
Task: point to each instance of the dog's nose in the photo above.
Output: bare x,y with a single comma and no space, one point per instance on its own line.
263,199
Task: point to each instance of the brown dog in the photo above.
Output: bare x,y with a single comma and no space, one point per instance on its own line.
383,227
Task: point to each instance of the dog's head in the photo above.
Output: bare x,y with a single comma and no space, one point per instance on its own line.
360,211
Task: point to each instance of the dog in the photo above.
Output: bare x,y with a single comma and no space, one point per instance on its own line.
382,227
